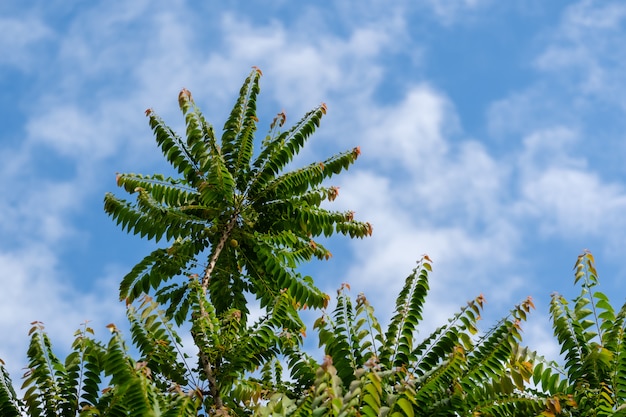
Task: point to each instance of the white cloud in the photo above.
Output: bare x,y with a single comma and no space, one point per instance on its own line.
586,51
38,211
103,41
410,132
21,39
73,132
579,74
570,202
451,11
426,194
295,64
546,148
300,66
563,193
557,124
467,186
436,178
537,107
35,290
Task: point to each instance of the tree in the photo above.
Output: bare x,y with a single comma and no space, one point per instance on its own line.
592,379
237,225
452,372
244,222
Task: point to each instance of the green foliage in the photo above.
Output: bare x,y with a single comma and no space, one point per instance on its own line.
95,379
371,372
102,379
237,223
10,405
591,381
254,222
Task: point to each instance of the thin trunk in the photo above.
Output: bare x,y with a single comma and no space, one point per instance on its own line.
213,388
218,250
208,368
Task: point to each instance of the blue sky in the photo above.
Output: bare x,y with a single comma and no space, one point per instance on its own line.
492,137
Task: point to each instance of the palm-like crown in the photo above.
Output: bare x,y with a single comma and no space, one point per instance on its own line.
253,220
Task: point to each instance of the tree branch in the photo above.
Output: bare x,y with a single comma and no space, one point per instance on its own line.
205,362
218,250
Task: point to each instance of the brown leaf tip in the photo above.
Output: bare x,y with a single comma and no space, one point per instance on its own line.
326,300
327,363
333,192
184,96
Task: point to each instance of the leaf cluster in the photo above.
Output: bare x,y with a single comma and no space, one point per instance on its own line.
592,379
371,372
240,216
94,379
236,224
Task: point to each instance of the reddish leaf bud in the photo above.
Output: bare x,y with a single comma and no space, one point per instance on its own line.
183,97
333,192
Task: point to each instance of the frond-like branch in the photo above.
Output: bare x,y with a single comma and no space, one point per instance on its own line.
280,150
158,267
149,219
174,149
170,192
10,405
158,343
238,136
407,315
199,134
41,381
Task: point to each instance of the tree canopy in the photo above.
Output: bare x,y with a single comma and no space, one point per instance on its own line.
236,223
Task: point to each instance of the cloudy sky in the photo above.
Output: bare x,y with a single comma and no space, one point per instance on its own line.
492,137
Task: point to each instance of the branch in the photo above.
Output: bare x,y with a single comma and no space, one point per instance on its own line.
205,361
214,390
218,250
